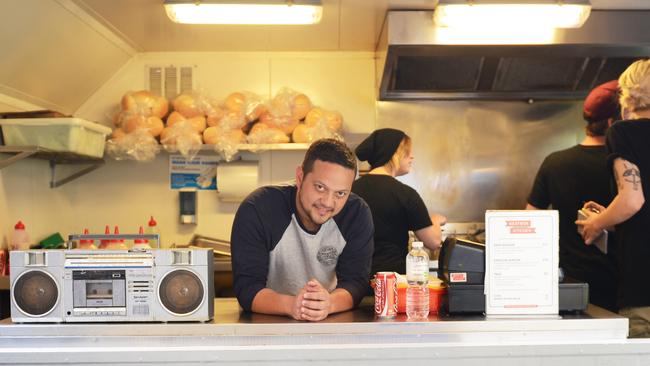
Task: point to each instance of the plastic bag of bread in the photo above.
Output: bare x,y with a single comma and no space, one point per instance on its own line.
331,119
138,145
225,141
198,123
182,137
245,103
286,109
231,121
135,121
142,110
197,104
309,134
261,133
145,103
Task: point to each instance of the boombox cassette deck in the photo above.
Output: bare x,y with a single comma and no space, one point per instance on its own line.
112,285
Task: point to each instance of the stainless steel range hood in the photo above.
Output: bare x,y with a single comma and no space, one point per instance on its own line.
414,63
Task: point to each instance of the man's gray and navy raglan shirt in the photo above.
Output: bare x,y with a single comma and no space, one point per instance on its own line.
271,248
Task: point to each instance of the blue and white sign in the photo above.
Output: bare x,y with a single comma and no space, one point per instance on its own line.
199,172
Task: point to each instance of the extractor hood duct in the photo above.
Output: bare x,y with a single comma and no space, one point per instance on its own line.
414,63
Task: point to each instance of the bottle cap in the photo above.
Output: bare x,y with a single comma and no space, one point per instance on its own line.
140,240
152,222
104,242
19,226
417,244
117,232
85,241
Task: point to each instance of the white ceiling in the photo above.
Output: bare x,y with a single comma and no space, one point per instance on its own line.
347,25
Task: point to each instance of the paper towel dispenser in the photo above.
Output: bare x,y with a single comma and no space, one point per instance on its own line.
236,180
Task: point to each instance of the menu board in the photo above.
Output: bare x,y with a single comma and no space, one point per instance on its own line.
522,257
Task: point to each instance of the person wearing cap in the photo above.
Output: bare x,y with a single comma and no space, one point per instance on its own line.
628,144
569,178
396,208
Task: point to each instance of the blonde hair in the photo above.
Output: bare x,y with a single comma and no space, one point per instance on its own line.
402,151
634,83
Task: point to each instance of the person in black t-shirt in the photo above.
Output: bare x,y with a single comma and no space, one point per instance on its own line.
396,208
569,178
628,143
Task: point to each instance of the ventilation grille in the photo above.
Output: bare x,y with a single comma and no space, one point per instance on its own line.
169,81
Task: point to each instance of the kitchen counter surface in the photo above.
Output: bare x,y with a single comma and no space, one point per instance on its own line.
236,336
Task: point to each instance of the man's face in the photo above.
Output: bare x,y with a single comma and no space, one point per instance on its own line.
322,193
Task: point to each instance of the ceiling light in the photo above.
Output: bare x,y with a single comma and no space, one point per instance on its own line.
244,11
512,14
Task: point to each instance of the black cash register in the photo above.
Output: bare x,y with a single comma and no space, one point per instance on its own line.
461,266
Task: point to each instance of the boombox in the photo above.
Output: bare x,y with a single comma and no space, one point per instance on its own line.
112,285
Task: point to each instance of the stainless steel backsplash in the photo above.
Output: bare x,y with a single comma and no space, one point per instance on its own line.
475,156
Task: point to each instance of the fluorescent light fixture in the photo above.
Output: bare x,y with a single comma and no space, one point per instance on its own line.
512,14
244,11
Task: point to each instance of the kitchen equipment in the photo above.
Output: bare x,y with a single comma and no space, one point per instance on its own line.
462,269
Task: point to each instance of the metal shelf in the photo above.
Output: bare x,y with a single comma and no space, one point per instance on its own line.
55,158
261,147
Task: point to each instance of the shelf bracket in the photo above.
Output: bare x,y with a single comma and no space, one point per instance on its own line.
57,183
54,157
15,158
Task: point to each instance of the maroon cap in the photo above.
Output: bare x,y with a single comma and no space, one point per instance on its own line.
602,102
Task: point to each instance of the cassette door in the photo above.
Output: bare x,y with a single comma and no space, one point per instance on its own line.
36,286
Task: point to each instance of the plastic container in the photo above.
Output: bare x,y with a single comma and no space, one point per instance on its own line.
19,238
60,134
141,243
417,276
86,243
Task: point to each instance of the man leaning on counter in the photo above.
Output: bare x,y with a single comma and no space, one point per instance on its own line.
305,250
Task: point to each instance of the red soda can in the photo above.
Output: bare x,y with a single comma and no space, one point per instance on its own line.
385,295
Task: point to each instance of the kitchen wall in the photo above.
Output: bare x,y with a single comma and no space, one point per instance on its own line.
125,193
470,156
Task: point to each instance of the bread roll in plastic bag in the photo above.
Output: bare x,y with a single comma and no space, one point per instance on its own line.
261,133
245,103
332,119
231,121
152,124
138,145
183,138
197,122
309,134
225,141
145,103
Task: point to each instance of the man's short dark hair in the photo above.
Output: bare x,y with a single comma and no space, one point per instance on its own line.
598,128
331,151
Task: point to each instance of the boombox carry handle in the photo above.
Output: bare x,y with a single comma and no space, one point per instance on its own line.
76,237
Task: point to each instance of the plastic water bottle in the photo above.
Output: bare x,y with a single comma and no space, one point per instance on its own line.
19,238
417,276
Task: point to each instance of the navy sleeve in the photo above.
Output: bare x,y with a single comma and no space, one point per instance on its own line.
538,196
416,211
250,254
353,267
